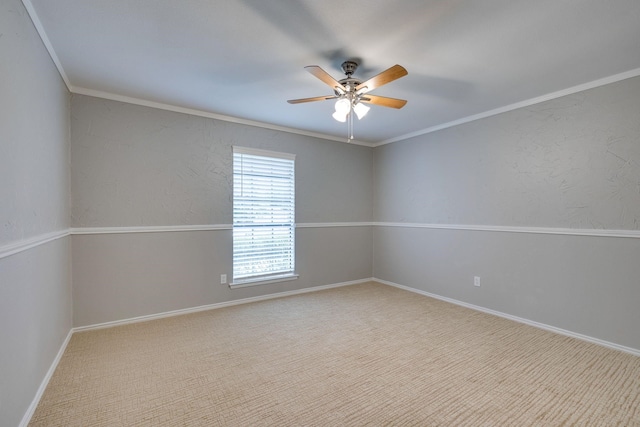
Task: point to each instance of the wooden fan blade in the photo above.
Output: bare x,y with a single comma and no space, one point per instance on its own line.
387,76
317,98
383,101
324,76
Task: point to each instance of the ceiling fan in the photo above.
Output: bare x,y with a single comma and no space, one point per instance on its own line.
352,94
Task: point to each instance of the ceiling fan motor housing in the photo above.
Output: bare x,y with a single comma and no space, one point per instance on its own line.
349,67
349,83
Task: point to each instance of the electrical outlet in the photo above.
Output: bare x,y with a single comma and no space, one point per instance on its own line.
223,279
476,280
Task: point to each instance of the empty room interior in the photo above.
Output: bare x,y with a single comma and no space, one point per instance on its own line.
319,213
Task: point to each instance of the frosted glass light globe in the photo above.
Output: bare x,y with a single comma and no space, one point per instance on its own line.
343,106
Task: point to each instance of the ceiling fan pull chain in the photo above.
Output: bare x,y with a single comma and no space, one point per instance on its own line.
350,126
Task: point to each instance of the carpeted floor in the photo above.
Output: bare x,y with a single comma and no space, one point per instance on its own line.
365,354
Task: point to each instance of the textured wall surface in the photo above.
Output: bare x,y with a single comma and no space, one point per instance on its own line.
583,284
121,276
35,318
35,284
569,163
34,128
139,166
572,162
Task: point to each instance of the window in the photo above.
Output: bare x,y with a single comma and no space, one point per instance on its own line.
263,216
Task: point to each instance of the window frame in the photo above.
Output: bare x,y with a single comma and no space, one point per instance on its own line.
239,209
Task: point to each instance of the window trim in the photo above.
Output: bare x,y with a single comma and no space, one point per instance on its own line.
264,280
268,278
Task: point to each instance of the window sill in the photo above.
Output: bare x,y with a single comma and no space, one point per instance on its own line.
263,280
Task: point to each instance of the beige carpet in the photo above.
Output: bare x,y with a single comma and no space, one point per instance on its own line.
359,355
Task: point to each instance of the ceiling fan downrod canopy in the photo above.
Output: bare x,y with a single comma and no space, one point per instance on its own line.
349,67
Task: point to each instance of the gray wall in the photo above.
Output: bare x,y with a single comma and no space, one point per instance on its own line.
135,166
141,166
35,284
569,163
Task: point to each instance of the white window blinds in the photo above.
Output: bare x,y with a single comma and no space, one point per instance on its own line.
263,215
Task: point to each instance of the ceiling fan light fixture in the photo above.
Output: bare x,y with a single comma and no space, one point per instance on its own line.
341,117
343,106
361,110
349,91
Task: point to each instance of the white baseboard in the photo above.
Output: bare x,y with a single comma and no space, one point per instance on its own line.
27,416
215,306
34,403
633,351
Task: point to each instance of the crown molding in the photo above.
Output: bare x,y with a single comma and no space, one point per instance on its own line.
45,40
526,103
201,113
159,105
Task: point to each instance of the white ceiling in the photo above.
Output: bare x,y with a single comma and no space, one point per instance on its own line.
245,58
